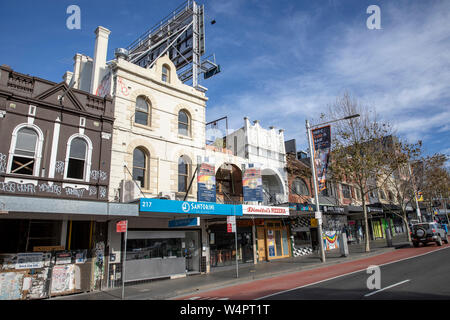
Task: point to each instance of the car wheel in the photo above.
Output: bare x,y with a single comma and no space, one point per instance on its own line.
439,241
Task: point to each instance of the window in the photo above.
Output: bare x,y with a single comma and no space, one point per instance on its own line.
300,187
24,157
183,173
139,167
142,112
346,191
382,195
391,196
183,123
77,159
165,75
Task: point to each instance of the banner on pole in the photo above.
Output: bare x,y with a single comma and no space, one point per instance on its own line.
322,145
252,184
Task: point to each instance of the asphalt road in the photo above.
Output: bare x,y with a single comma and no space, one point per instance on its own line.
425,277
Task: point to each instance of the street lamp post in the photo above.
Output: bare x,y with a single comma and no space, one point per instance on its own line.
318,213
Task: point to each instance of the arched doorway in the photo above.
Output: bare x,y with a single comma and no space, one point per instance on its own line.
273,188
229,184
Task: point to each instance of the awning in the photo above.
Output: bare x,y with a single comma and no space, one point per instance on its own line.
65,206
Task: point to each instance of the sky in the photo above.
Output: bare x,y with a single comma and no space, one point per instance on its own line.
282,61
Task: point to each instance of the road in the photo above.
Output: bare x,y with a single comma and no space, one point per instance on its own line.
407,273
423,277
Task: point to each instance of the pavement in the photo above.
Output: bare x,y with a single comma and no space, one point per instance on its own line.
225,277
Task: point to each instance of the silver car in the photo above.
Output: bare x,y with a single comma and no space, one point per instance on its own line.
428,232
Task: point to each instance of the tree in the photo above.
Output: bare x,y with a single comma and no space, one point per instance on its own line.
433,178
402,181
359,149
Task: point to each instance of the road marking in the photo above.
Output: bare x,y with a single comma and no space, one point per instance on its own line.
391,286
347,274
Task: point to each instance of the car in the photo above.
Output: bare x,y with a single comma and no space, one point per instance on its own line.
428,232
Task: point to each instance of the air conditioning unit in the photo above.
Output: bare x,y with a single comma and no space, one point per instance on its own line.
167,195
129,191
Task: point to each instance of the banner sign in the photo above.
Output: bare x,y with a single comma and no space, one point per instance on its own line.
265,210
189,222
188,207
322,145
206,181
252,184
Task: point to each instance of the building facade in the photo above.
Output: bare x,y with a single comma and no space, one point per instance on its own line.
54,180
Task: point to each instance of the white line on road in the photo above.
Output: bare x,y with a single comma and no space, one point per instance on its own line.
388,287
347,274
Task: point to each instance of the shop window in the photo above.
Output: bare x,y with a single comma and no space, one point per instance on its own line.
77,159
300,187
142,111
25,155
22,235
138,249
140,167
183,123
183,174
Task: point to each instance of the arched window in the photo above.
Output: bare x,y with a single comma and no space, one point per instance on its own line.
140,167
24,156
183,123
165,74
183,174
142,112
77,159
300,187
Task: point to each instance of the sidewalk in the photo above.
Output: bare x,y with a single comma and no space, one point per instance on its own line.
169,289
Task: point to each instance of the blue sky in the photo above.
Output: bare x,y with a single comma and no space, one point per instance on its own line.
282,60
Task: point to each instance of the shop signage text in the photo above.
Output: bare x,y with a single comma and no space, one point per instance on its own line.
265,210
190,222
188,207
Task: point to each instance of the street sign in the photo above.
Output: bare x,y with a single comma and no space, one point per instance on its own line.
121,226
231,224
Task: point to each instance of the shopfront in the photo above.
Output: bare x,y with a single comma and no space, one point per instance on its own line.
301,230
170,239
273,237
55,247
223,245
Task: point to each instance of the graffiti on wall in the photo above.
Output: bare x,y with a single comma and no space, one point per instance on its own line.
59,167
2,163
54,189
98,175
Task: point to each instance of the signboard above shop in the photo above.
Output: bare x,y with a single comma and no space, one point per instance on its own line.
188,207
265,210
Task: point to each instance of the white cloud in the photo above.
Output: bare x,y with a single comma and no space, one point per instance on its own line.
402,70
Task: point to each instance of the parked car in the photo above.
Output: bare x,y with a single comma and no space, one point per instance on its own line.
428,232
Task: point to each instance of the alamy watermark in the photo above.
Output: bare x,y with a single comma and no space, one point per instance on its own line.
374,20
374,281
74,20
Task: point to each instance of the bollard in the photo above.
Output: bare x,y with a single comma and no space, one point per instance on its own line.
343,245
